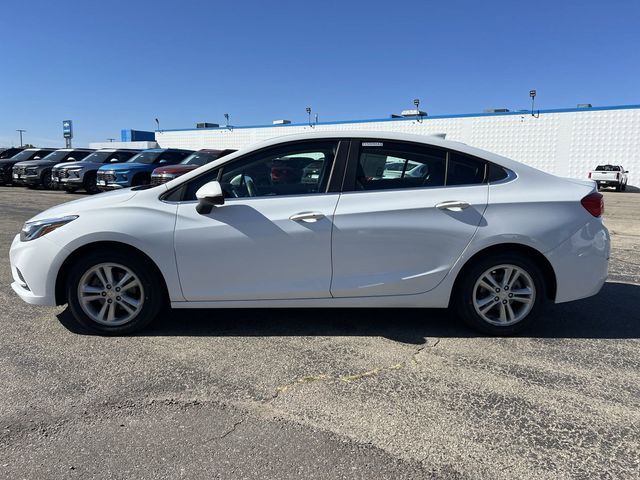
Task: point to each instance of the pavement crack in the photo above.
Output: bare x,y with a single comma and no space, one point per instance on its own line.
232,429
356,376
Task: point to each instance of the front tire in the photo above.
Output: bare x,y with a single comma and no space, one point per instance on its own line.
113,293
46,181
501,295
90,183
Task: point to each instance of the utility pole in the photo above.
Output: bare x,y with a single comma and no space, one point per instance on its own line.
21,132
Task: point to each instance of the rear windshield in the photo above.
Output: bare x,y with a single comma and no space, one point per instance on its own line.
607,168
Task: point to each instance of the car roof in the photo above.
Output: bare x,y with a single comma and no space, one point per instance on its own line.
432,140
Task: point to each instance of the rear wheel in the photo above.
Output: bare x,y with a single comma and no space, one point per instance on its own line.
501,295
113,293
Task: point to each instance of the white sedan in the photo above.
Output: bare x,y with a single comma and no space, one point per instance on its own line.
486,236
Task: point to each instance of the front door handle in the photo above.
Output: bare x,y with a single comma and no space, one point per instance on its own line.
308,217
453,205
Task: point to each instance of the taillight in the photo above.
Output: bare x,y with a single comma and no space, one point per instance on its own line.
594,204
589,174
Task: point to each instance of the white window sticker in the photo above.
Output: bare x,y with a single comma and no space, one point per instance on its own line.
372,144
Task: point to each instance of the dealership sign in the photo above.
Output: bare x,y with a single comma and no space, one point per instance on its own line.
67,129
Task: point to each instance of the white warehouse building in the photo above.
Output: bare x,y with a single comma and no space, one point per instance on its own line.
566,142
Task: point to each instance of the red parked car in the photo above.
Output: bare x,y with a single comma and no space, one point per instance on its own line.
163,174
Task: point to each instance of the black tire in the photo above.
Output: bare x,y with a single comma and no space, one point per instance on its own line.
141,179
45,180
463,297
153,292
90,184
624,187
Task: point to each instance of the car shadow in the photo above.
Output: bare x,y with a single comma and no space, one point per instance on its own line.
612,314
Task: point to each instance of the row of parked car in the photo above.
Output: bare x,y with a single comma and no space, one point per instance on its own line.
74,169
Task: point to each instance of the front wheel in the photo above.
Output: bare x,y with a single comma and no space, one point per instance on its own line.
46,181
113,293
501,295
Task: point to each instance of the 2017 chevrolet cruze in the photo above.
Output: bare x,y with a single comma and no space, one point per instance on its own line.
487,236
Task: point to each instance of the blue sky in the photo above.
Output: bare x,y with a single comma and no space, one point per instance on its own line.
119,64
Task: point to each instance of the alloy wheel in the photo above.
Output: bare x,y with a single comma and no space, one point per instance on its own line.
110,294
504,295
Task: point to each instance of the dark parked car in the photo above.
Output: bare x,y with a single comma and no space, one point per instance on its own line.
137,170
163,174
34,173
76,175
6,165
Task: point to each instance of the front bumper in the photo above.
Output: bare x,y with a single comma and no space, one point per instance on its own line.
581,263
34,267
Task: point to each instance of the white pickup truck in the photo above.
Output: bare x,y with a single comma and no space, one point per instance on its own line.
610,176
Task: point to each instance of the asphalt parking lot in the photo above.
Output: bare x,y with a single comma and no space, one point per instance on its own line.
324,394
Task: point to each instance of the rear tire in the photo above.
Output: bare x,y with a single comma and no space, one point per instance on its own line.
490,302
132,290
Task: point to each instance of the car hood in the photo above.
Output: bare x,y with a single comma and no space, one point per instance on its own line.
175,169
78,207
78,164
36,163
128,166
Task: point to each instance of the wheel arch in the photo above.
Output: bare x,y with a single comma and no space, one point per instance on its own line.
525,250
65,268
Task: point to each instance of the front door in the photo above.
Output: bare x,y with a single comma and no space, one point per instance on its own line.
272,237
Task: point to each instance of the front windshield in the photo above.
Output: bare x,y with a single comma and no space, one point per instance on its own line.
27,155
97,157
144,157
57,156
198,158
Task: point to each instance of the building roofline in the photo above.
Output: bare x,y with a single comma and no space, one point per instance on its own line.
404,119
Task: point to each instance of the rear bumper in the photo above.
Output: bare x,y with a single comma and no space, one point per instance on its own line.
581,263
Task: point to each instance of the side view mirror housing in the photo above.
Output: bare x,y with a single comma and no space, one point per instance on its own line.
626,171
209,195
71,159
113,160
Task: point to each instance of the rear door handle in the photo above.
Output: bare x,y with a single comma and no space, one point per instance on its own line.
308,217
453,205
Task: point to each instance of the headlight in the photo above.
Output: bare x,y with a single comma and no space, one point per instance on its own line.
30,170
39,228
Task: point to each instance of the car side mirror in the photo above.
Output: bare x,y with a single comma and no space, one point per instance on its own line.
113,160
626,171
209,195
71,159
36,158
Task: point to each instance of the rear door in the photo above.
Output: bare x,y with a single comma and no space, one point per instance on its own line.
411,212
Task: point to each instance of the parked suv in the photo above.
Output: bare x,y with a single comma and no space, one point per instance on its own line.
76,175
137,170
35,173
163,174
6,165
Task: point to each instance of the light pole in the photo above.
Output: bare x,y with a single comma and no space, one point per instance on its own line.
21,132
